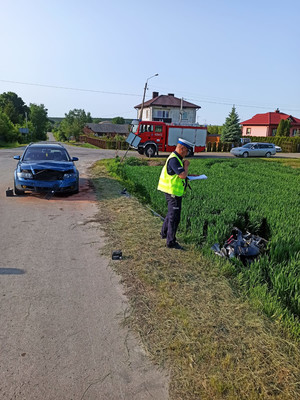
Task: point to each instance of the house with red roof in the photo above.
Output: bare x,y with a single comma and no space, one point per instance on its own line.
168,109
267,123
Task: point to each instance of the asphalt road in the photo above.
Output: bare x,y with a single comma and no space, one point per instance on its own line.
61,305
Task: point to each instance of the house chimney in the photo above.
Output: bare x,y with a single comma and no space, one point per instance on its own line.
277,110
154,94
171,94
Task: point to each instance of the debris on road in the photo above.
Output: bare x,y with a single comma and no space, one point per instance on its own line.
117,255
9,192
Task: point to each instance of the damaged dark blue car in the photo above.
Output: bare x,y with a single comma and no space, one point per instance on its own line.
46,168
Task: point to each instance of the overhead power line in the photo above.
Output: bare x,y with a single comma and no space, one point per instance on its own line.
70,88
139,95
225,101
241,105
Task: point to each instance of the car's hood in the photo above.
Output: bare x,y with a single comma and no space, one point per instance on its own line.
237,148
54,165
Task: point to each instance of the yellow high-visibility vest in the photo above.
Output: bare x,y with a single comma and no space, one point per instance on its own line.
171,184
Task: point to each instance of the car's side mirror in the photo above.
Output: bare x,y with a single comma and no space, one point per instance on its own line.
17,157
74,158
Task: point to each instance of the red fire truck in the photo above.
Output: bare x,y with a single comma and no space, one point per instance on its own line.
150,137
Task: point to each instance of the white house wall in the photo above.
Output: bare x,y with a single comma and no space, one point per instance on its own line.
174,114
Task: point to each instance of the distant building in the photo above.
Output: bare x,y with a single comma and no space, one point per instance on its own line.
169,109
266,124
106,129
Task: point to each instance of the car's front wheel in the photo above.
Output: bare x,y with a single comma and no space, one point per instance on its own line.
246,154
17,191
268,154
76,190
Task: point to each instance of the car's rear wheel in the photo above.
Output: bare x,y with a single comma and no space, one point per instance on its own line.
246,154
17,191
268,154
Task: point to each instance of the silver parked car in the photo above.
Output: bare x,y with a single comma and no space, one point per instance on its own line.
254,150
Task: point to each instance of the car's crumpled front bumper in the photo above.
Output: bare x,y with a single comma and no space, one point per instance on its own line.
32,185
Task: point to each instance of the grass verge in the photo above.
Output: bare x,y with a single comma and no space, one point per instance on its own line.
5,145
80,144
188,317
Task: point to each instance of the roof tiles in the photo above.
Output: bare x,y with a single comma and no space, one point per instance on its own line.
167,101
270,118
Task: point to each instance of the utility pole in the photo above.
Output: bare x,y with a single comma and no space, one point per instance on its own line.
180,114
145,88
26,124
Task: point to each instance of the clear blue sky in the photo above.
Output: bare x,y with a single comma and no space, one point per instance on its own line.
214,53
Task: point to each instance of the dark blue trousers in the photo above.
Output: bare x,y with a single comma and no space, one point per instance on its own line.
172,219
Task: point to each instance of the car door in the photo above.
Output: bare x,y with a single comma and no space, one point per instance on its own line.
262,149
254,150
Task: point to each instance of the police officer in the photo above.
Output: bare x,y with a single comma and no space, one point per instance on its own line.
172,183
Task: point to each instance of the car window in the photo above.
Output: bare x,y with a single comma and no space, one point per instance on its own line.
247,146
46,154
33,155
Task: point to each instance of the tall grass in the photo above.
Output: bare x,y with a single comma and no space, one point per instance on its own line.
255,195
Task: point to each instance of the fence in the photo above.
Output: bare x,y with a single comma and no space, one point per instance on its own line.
104,143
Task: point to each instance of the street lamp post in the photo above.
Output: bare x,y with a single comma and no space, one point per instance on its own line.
145,88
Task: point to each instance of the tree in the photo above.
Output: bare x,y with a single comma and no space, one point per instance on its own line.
8,132
231,131
213,129
73,123
287,128
283,128
280,128
118,120
39,119
13,106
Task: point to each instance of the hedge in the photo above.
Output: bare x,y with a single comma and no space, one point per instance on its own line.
288,144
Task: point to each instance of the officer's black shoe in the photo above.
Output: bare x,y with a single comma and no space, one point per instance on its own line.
175,245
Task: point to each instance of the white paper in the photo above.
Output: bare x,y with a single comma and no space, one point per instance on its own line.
195,178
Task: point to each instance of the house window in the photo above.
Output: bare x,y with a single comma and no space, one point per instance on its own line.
184,115
160,114
248,131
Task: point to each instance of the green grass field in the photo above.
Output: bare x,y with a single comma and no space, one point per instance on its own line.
260,196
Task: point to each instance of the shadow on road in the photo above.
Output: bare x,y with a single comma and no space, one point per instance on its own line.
86,193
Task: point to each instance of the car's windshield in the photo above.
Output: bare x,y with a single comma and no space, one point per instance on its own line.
46,154
248,145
